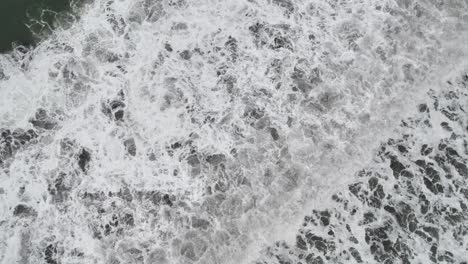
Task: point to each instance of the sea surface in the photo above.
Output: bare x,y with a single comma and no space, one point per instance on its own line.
24,22
247,131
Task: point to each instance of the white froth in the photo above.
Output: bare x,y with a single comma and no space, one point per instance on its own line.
372,61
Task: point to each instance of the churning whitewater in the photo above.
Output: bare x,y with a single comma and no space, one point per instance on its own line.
245,131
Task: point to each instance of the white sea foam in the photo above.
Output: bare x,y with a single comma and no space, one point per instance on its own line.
332,78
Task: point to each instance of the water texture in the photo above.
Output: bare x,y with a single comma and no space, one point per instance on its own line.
269,131
24,22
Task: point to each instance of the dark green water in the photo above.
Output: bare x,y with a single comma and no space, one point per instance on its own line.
15,14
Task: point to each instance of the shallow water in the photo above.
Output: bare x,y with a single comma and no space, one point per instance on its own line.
238,132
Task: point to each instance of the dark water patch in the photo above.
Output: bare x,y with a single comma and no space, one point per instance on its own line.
17,26
11,142
83,160
130,146
22,210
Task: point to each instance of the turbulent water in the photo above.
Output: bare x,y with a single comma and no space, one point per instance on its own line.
247,131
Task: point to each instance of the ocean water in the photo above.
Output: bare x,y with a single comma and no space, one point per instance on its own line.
256,131
24,22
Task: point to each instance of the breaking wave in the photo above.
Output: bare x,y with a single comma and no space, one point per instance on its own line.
205,131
